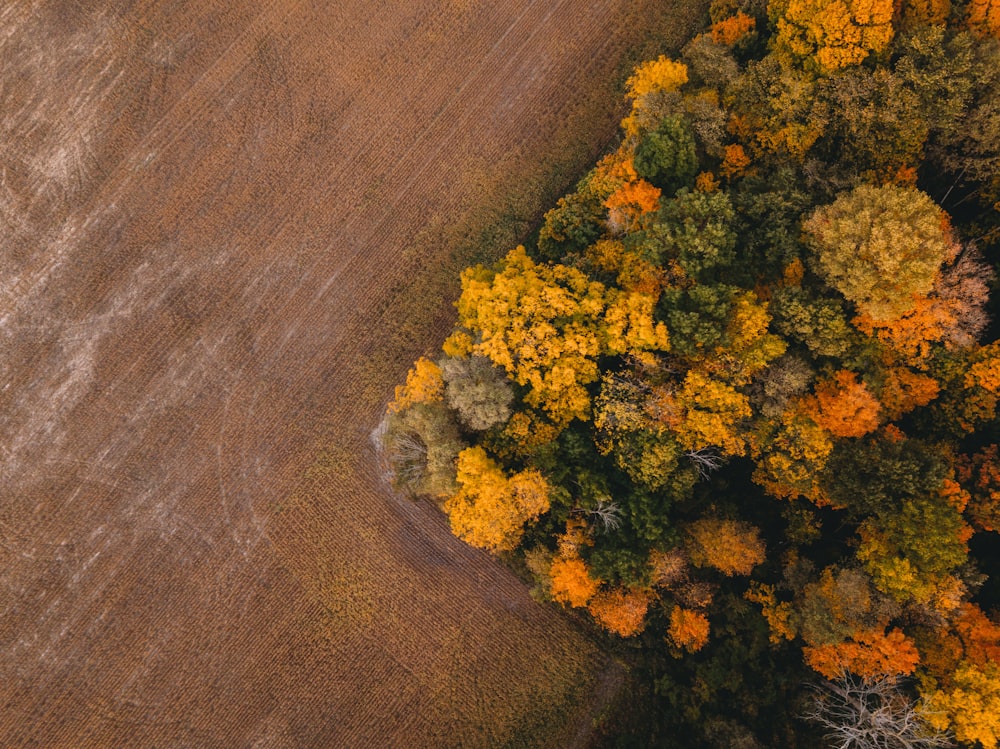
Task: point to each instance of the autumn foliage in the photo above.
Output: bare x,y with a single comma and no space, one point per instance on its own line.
730,546
832,34
730,30
572,583
688,629
843,406
869,654
490,509
740,375
622,611
423,385
984,17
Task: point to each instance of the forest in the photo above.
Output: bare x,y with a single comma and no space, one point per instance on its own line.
734,406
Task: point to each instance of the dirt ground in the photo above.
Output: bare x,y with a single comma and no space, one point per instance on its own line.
224,226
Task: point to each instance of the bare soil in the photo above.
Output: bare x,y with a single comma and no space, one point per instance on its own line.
226,227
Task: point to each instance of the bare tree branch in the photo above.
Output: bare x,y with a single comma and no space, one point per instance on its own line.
871,714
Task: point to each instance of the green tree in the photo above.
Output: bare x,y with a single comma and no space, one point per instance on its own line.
577,221
695,229
875,126
666,156
816,322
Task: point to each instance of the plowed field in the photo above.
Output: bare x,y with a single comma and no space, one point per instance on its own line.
226,227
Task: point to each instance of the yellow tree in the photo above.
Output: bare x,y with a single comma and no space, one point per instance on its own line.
831,34
490,509
881,247
651,88
778,613
790,461
541,323
971,706
629,326
748,347
424,384
712,414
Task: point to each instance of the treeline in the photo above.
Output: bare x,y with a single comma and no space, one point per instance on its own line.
737,402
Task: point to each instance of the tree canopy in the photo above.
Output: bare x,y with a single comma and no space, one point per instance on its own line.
737,403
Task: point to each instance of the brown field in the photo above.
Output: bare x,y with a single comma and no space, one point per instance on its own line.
226,227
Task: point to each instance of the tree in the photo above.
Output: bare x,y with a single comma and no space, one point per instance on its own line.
875,124
779,614
630,203
620,610
666,156
490,510
572,582
880,247
728,31
477,390
775,387
869,654
688,629
734,162
980,637
697,318
971,705
952,315
653,92
633,423
713,412
843,406
541,324
747,346
775,110
980,474
817,322
917,13
791,462
709,63
875,713
696,230
831,34
577,221
629,326
910,552
423,385
904,390
957,76
730,546
984,17
422,444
